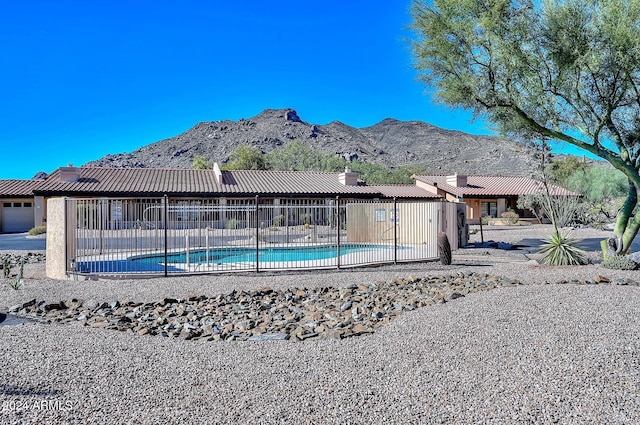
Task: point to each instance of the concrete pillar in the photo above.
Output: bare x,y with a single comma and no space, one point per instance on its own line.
56,264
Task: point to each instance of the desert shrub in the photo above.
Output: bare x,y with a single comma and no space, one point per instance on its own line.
619,262
232,223
568,209
485,219
562,250
38,230
279,220
510,216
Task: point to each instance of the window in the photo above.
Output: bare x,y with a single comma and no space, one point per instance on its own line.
17,204
490,209
7,204
27,205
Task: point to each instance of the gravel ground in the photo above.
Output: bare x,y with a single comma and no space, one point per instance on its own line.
530,354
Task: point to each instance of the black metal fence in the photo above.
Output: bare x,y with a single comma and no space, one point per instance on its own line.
169,236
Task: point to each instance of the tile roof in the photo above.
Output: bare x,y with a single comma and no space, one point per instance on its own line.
404,191
18,188
492,186
180,182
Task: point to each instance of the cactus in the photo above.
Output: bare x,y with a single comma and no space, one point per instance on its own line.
444,249
619,262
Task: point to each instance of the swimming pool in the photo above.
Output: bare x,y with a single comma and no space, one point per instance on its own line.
276,254
177,261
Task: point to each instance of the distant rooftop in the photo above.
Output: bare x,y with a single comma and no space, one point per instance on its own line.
491,185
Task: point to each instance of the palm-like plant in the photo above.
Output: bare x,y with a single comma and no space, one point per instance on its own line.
562,250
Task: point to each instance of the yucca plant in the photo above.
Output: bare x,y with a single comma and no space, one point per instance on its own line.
562,250
16,283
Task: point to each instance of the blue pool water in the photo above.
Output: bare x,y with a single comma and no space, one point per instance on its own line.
155,263
249,255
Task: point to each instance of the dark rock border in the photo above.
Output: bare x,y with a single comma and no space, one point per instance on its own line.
296,314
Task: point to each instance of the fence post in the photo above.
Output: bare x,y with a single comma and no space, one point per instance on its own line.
187,259
66,238
166,236
206,238
395,230
338,224
257,238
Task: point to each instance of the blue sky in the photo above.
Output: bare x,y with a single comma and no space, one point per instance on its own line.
82,79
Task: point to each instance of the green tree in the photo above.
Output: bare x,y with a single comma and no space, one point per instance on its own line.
565,70
246,158
371,173
598,184
201,163
298,156
560,170
402,175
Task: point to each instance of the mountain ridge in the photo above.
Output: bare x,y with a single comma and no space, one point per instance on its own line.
390,142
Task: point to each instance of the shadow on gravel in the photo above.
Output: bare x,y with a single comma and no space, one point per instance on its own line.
588,244
10,320
8,389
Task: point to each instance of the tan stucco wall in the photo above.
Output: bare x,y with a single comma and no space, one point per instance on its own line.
56,241
427,187
418,222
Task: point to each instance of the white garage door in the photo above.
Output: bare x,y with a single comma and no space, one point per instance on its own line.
17,216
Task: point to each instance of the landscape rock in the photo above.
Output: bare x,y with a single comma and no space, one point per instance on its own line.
294,314
635,256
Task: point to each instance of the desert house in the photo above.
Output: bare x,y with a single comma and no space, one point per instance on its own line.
486,196
104,219
183,186
128,209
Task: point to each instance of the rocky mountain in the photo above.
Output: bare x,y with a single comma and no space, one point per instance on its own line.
390,142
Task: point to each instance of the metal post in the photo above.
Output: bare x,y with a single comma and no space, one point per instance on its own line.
395,230
166,236
188,260
206,238
338,228
67,238
100,225
257,238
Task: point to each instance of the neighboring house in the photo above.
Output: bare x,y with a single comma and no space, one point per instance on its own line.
17,206
485,196
182,186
